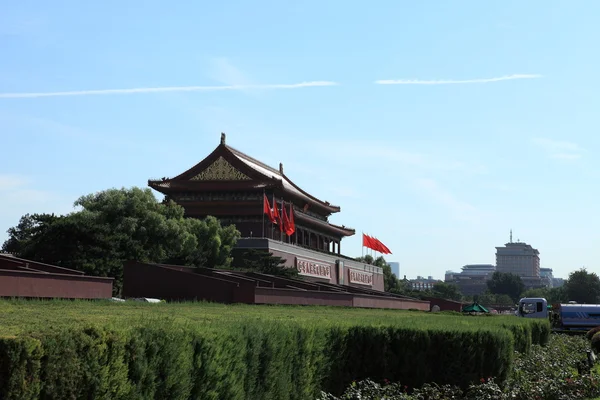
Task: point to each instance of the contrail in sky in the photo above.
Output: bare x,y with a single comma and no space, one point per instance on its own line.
168,89
454,81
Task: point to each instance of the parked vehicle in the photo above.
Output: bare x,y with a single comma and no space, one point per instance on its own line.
562,316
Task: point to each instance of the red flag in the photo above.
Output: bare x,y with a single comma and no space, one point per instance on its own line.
382,248
276,215
366,242
377,245
291,224
284,219
369,242
267,209
387,250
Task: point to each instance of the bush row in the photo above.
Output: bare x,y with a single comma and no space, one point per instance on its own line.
257,359
558,371
528,332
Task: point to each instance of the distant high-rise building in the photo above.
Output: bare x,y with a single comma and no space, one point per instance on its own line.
472,279
422,283
478,269
547,277
395,266
520,259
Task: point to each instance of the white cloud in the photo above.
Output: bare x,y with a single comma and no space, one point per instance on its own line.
344,192
361,151
278,86
415,173
455,81
8,182
500,187
460,209
565,156
224,72
559,149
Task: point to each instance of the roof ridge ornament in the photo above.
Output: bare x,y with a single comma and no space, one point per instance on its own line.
223,137
281,168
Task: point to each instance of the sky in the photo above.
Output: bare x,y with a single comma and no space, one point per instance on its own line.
436,126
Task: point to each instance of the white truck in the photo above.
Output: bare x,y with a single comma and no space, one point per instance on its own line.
562,316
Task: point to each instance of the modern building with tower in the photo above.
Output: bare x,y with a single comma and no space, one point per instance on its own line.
521,259
514,257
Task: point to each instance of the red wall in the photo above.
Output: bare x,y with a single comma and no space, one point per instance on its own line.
15,283
290,296
176,283
445,305
10,262
387,302
184,283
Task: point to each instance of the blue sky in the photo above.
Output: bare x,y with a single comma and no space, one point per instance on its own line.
439,164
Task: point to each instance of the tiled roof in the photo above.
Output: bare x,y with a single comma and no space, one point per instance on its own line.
273,173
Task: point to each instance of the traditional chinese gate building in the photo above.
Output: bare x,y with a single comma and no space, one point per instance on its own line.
231,186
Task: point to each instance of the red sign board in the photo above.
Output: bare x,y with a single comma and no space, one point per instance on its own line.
360,277
313,268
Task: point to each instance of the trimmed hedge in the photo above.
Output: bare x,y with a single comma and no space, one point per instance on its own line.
414,356
259,360
20,366
66,350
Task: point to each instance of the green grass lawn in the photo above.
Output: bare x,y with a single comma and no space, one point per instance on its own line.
21,316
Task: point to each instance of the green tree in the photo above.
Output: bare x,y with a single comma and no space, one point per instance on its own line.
489,299
504,300
22,236
264,262
118,225
448,291
506,283
405,289
537,292
552,295
390,280
583,287
557,295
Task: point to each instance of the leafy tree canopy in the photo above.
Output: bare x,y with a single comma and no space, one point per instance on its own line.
390,280
117,225
506,283
552,295
583,287
264,262
489,299
448,291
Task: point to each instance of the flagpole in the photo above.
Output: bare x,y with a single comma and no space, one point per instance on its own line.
263,220
362,255
290,219
272,223
281,227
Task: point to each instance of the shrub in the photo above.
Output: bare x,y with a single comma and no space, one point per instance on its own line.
207,351
19,368
417,356
241,360
546,373
596,342
590,334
